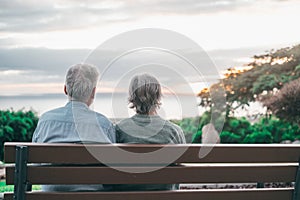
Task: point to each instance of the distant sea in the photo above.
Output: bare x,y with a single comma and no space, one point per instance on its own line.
114,106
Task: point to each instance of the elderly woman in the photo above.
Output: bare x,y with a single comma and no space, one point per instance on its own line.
146,126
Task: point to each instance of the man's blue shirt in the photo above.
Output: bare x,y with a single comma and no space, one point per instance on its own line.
74,123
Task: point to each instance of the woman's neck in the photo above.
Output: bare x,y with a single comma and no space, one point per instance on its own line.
153,112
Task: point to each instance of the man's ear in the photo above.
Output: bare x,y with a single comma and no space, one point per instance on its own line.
93,93
65,90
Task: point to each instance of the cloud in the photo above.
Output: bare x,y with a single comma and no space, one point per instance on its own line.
23,66
33,22
36,16
39,58
41,65
30,70
192,7
36,65
30,16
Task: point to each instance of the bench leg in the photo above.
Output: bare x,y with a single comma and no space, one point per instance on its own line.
297,184
20,177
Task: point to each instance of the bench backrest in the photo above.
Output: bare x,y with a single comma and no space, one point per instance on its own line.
153,164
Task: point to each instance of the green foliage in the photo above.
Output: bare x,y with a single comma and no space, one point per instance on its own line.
281,130
10,188
194,133
16,126
235,129
267,72
197,138
228,137
260,80
265,82
286,103
190,126
238,126
259,137
240,130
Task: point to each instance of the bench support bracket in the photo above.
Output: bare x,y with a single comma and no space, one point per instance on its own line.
20,179
297,184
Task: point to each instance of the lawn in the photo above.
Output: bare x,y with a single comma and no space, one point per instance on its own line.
10,188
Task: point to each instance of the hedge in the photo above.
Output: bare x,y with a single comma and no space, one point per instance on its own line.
16,126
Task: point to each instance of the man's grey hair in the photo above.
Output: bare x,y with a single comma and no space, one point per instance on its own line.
144,93
81,79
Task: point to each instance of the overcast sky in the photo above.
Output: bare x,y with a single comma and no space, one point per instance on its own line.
39,40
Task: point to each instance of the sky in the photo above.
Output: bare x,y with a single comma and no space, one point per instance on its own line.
39,40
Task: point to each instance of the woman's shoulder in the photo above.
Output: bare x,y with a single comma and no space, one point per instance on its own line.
173,125
177,133
124,122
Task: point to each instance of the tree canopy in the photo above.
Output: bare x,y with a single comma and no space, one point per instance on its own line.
258,80
286,103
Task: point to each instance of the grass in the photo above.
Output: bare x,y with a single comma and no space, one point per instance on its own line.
6,188
10,188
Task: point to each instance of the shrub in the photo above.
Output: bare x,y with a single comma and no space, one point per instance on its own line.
259,137
286,103
190,126
280,130
238,126
16,126
197,138
228,137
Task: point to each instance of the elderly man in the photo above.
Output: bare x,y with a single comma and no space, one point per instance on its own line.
75,122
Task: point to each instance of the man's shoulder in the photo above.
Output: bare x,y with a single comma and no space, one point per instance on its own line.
102,118
52,112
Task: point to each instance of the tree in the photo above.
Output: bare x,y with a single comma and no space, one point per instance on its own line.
286,103
257,80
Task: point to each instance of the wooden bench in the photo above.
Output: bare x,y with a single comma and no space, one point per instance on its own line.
223,164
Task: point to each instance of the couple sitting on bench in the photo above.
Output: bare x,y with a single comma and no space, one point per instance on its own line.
76,123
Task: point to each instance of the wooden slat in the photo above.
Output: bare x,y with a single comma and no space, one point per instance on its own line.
173,174
245,194
188,153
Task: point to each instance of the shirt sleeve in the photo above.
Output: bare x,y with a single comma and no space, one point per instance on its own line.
181,137
111,133
36,133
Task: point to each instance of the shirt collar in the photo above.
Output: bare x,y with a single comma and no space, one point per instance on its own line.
77,104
